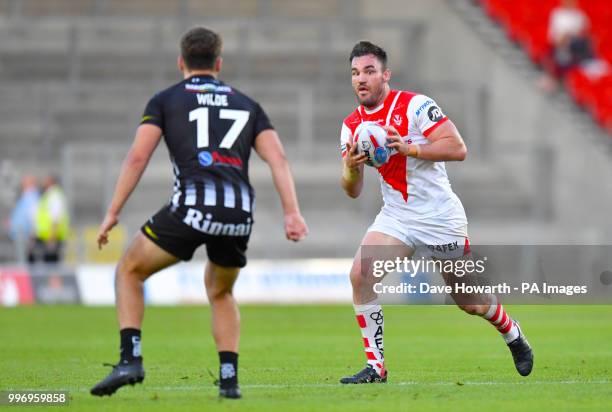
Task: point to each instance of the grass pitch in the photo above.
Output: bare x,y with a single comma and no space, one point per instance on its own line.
291,358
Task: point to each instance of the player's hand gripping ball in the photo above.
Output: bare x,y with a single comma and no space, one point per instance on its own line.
372,141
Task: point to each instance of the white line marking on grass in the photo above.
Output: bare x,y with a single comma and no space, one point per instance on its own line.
339,385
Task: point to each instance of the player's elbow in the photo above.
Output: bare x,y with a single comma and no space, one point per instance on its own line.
278,164
352,194
351,191
135,159
277,159
460,153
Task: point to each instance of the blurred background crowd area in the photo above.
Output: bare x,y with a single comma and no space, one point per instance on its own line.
532,102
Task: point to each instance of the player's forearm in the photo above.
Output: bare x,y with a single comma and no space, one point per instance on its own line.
131,172
285,186
443,150
352,181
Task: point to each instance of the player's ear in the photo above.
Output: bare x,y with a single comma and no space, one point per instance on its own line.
180,63
387,75
218,64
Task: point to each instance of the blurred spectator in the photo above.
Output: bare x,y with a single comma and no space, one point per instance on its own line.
570,44
52,223
21,223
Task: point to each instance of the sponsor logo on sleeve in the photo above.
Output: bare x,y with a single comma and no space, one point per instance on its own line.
435,114
424,106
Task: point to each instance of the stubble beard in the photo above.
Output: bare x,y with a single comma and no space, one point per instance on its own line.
373,100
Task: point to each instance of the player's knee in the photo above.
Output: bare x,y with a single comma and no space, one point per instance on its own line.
126,268
471,309
220,282
356,277
219,292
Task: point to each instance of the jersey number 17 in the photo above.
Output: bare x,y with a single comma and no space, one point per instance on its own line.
201,116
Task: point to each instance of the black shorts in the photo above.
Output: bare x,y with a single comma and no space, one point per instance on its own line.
226,241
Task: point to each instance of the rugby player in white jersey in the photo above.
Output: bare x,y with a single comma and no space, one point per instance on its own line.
420,209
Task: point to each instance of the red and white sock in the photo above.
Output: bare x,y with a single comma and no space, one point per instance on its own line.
498,317
371,321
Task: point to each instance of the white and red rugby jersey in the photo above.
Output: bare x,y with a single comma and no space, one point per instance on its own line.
413,189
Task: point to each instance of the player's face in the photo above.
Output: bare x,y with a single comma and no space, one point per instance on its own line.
369,80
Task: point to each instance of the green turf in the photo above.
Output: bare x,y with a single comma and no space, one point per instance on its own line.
292,356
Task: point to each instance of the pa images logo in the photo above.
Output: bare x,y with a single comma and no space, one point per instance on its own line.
435,114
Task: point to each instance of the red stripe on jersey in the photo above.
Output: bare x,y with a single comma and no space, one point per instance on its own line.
366,342
466,247
429,131
395,174
370,356
361,321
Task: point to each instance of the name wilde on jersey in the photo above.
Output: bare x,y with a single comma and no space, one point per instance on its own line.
212,99
204,223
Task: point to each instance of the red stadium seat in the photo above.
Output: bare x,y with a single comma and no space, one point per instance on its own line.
526,22
602,105
580,87
537,46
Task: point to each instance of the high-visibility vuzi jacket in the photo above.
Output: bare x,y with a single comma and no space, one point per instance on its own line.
45,219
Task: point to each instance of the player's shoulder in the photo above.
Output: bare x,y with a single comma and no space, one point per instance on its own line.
405,94
353,119
419,103
237,95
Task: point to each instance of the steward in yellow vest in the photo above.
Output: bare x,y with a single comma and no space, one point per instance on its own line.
52,221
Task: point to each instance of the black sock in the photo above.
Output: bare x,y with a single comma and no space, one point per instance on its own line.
228,369
130,345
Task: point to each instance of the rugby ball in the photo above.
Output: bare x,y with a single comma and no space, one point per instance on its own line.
371,140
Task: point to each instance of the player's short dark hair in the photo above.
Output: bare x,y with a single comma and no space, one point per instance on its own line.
363,48
200,48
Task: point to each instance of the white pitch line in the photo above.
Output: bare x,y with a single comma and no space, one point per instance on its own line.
408,383
338,385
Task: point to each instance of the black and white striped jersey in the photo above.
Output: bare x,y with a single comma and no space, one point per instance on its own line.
209,128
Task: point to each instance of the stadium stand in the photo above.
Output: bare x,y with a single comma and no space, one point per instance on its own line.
74,78
526,23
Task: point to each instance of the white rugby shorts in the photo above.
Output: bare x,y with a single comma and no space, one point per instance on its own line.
441,238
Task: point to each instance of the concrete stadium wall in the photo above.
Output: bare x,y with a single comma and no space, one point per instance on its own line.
534,173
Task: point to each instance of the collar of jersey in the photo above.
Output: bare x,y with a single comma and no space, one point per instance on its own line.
379,107
203,76
376,109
